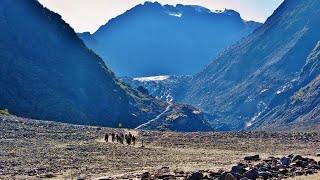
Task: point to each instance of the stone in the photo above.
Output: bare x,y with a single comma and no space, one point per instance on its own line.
49,175
299,173
285,161
264,169
252,158
318,154
146,176
229,177
274,168
265,174
223,176
300,163
252,174
309,171
215,174
283,171
195,176
206,177
237,169
104,178
314,166
296,157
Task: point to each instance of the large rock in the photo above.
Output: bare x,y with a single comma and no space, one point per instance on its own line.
195,176
285,161
251,174
252,158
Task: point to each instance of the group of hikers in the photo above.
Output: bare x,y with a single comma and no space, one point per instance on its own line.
120,138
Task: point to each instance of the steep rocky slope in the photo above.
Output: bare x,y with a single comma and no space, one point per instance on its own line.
240,83
300,106
46,72
151,39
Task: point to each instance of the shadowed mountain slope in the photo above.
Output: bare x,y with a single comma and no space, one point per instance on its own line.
241,82
46,72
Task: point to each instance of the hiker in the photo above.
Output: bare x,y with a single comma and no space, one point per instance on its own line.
113,136
121,138
133,140
106,137
117,138
129,138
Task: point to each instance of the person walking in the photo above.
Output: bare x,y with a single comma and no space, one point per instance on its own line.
117,138
106,137
129,138
121,138
113,137
133,140
126,138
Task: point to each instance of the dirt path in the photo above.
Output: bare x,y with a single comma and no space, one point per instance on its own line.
152,120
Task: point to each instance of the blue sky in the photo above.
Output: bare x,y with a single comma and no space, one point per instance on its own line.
89,15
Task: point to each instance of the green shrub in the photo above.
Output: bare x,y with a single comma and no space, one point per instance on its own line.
5,112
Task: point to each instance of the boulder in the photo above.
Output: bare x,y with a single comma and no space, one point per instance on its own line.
252,158
230,177
299,173
252,174
309,171
285,161
284,171
300,163
265,174
237,169
146,176
195,176
296,157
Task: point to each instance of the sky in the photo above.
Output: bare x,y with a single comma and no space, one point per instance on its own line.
89,15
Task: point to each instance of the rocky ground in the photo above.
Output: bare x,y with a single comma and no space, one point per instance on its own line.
38,149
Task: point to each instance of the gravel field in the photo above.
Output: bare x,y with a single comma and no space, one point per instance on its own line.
33,149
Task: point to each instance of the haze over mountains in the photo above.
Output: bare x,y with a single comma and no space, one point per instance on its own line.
152,39
47,72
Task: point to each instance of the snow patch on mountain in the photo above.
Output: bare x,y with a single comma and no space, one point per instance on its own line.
151,78
175,14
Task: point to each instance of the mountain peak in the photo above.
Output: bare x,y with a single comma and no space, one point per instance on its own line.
166,39
149,3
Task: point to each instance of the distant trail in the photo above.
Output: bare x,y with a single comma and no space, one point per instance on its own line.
152,120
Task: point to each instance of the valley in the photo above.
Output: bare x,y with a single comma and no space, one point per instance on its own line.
32,149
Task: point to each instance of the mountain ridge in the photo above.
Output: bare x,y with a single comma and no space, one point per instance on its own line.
173,40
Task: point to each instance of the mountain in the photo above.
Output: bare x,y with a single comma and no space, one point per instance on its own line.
166,88
246,80
151,39
300,105
47,72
